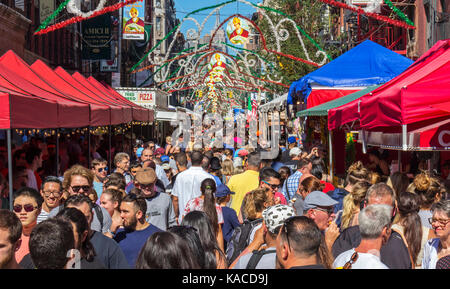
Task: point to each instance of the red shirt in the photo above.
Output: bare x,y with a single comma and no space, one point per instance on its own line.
328,187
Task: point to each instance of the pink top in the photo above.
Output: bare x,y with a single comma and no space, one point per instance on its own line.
24,249
197,205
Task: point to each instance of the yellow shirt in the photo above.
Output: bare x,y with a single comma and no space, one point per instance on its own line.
241,184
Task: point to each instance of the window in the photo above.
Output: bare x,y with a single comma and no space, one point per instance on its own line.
158,24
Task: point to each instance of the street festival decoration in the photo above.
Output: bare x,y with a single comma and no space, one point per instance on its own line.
133,23
247,71
71,7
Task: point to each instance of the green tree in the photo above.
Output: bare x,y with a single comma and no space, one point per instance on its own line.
315,22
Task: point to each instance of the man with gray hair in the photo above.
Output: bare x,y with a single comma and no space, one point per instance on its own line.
375,229
394,253
122,162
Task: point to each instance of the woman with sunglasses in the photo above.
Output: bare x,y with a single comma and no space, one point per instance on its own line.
27,207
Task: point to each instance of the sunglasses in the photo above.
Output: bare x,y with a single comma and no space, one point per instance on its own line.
274,187
329,211
28,208
102,169
147,187
76,189
55,193
287,223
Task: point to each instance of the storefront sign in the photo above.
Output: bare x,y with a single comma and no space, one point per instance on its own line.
97,38
145,98
46,8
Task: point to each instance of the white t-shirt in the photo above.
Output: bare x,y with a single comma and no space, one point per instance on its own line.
364,261
187,187
430,255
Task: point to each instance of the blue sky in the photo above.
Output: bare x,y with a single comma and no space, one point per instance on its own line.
183,7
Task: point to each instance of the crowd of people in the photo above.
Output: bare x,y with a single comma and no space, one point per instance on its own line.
175,207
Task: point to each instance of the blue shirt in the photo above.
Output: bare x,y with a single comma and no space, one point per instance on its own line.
230,222
98,187
217,179
131,242
291,185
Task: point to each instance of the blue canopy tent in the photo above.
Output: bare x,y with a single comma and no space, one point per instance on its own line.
365,65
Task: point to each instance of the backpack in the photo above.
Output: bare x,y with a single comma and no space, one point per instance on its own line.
256,256
99,214
240,239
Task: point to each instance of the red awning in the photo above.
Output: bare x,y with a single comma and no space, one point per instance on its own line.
116,111
100,112
410,98
69,113
126,110
139,113
319,96
25,111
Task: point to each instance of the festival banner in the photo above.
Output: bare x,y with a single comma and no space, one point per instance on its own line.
133,25
238,30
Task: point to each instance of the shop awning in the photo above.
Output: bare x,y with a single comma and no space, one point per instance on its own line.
126,110
409,98
100,112
70,113
365,65
322,109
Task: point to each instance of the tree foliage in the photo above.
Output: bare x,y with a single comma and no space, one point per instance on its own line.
317,20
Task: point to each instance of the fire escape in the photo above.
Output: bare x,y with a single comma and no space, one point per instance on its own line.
362,27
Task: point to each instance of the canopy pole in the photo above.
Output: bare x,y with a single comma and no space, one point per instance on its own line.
89,146
109,151
404,137
10,168
399,161
57,152
330,144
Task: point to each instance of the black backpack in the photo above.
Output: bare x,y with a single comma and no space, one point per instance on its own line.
256,256
240,239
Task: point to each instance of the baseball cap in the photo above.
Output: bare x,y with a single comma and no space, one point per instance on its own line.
146,176
295,151
291,139
165,159
139,152
275,216
318,199
214,163
222,191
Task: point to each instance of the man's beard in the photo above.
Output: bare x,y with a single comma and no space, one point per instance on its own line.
131,226
6,262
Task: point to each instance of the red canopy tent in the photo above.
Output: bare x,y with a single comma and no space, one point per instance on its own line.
126,109
69,113
100,112
139,113
116,118
409,99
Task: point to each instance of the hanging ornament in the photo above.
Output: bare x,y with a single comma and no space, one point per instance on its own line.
73,8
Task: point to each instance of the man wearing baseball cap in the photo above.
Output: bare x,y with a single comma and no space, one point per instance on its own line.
160,210
261,253
292,142
295,154
319,207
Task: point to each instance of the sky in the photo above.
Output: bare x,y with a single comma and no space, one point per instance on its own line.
183,7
